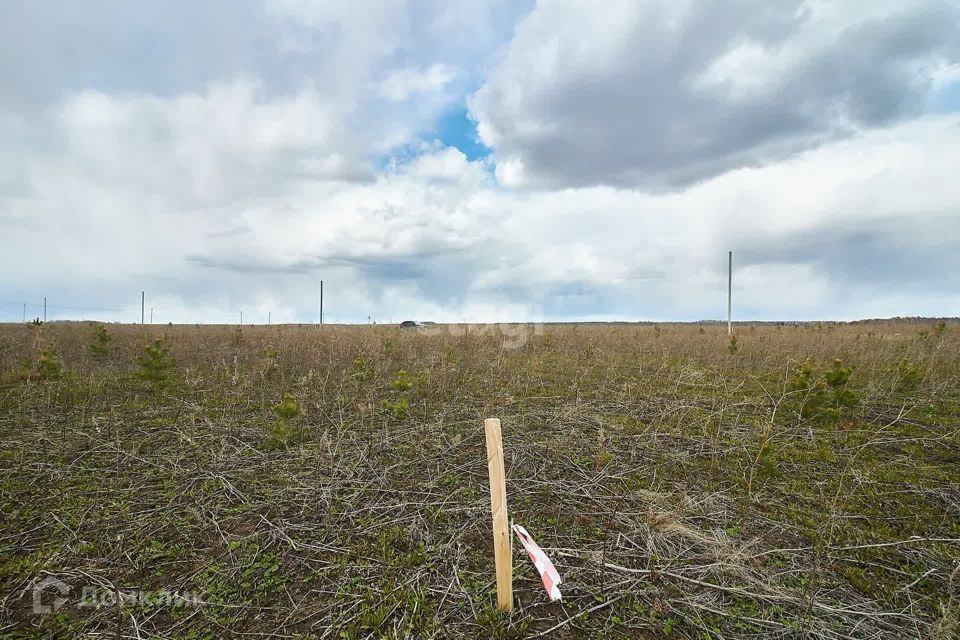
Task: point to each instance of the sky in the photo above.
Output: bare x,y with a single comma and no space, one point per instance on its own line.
469,161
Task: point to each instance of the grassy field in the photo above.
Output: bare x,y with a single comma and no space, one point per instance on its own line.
800,482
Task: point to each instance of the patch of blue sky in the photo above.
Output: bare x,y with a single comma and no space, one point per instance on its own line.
453,129
456,129
946,99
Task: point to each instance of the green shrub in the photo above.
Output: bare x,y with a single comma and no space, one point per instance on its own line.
909,375
283,431
155,362
268,362
402,382
362,370
806,390
838,378
288,408
732,346
399,409
49,365
399,406
822,397
102,343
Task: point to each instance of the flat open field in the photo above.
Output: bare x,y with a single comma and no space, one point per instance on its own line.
299,482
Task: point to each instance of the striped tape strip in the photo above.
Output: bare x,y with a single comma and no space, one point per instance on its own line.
549,575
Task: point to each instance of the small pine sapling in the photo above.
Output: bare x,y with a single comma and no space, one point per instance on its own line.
102,343
155,362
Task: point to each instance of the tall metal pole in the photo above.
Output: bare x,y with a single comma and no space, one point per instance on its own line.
321,303
143,299
24,311
151,315
241,316
268,317
730,293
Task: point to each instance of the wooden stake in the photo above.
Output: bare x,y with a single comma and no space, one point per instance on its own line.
498,507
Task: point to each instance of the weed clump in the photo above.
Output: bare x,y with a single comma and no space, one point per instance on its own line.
399,406
362,370
602,457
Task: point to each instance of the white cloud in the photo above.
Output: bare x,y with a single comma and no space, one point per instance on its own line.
203,147
402,84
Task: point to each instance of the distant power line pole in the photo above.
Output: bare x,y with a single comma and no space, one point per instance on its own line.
143,301
151,315
321,303
730,293
241,317
44,308
269,313
24,311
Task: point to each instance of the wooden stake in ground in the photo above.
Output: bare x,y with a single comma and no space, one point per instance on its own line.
498,506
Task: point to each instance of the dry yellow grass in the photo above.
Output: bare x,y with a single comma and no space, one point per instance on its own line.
303,486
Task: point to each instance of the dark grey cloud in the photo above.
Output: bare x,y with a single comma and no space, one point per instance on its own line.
438,274
908,251
659,95
51,49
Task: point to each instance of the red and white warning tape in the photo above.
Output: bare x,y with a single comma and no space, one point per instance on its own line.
542,563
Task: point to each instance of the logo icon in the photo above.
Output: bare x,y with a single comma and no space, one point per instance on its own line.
47,587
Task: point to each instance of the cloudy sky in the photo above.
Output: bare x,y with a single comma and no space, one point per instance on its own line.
479,161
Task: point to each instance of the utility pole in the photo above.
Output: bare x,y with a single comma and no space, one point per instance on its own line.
730,293
143,300
24,312
269,313
321,303
241,317
44,308
151,315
